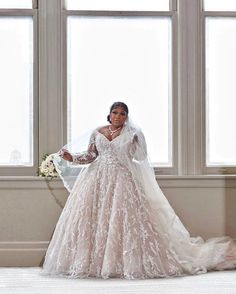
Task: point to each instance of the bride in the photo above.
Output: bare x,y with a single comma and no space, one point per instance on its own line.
117,221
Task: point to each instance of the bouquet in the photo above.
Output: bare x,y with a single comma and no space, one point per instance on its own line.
47,168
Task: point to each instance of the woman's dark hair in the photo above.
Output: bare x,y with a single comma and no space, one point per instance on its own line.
118,104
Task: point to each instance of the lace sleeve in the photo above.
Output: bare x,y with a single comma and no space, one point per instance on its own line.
87,156
139,147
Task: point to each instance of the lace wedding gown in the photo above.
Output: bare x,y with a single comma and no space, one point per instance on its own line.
108,229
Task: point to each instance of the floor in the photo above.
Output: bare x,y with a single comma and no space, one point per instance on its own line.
26,280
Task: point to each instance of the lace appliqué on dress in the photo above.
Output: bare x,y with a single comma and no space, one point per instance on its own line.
87,156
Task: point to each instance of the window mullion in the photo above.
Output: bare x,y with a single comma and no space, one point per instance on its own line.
50,95
35,4
189,110
173,5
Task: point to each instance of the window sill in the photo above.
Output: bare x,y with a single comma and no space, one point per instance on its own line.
165,181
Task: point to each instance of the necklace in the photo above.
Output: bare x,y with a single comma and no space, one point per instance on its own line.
113,132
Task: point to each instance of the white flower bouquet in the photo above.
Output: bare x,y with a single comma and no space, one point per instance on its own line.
47,168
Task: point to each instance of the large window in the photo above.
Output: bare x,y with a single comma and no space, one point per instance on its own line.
17,75
121,5
219,5
220,91
63,63
16,4
126,58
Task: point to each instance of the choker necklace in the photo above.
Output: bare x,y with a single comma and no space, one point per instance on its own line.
112,132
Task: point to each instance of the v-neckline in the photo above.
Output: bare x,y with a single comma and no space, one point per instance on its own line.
107,138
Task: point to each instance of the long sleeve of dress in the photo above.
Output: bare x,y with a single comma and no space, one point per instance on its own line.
87,156
139,147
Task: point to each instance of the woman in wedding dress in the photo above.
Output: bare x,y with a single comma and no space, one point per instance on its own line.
116,221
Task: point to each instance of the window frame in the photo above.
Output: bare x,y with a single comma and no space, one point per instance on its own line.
50,87
216,169
172,13
9,170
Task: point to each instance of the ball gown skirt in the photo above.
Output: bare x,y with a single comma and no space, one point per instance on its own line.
106,229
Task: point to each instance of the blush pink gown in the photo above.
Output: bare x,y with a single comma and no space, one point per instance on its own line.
106,228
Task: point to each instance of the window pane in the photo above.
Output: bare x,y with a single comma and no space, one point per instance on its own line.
127,59
16,91
15,3
220,5
160,5
220,90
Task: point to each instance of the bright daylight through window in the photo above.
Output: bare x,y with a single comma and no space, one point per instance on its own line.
122,58
16,75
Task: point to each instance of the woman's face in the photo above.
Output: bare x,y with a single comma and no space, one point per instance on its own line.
118,117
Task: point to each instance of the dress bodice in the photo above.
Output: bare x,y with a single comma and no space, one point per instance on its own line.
112,151
121,148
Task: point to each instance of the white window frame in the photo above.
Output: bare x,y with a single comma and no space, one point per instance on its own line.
19,170
50,102
173,14
189,79
210,169
51,79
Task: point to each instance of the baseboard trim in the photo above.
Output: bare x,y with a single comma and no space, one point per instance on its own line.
22,253
23,244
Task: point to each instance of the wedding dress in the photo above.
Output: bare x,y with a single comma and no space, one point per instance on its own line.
118,223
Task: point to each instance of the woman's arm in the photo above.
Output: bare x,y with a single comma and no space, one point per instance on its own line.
83,157
87,156
139,147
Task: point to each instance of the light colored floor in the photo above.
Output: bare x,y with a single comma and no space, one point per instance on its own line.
26,280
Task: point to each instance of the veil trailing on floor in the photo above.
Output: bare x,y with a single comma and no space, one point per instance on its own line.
194,254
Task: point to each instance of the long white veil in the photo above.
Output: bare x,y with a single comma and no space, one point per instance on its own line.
195,255
69,171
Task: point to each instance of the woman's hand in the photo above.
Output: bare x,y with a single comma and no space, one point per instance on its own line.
65,154
135,138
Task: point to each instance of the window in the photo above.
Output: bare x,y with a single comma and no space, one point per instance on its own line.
122,57
16,4
220,91
148,55
17,75
219,5
128,5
